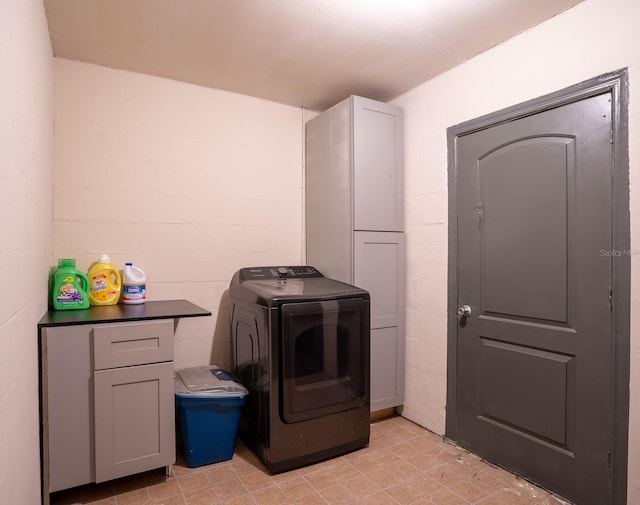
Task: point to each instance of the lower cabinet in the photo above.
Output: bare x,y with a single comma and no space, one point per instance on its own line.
379,267
107,400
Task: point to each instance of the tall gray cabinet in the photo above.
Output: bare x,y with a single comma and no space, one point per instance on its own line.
354,222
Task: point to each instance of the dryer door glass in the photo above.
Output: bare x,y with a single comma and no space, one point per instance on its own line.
325,350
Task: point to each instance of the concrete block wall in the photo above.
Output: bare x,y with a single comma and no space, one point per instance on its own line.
189,183
592,38
26,147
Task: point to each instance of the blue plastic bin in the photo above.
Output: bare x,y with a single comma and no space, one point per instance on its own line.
208,405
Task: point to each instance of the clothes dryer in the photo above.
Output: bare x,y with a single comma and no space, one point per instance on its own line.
300,345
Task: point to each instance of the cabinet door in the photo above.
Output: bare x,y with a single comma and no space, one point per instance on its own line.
67,407
378,185
379,267
387,378
134,419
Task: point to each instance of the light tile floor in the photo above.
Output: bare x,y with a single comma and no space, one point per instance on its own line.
403,465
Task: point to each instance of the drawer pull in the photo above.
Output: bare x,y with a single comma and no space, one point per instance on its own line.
135,345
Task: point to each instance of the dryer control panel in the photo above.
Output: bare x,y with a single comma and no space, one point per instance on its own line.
270,273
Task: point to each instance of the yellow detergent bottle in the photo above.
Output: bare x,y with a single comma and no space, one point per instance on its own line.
104,282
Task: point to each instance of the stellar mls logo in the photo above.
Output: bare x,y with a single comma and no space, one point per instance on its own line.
616,253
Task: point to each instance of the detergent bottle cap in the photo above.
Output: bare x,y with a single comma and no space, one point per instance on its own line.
128,264
104,258
66,262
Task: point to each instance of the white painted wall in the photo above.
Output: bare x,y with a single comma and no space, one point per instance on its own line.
187,182
595,37
26,159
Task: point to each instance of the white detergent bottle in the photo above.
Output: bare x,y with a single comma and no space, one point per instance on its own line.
134,289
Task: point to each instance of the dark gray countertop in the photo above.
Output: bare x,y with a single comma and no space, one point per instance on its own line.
162,309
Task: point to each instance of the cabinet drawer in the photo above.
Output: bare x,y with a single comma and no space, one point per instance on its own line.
118,345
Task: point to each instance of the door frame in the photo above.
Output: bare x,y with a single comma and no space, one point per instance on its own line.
617,83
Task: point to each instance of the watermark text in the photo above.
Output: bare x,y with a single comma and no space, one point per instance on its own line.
615,253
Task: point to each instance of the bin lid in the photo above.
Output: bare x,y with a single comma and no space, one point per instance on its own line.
208,380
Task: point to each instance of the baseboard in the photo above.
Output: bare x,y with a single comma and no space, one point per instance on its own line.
383,414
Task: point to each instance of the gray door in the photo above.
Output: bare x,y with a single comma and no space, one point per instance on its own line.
534,384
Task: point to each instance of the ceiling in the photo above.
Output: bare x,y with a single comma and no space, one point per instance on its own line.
305,53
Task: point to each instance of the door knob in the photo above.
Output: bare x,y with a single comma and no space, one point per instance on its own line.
464,311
